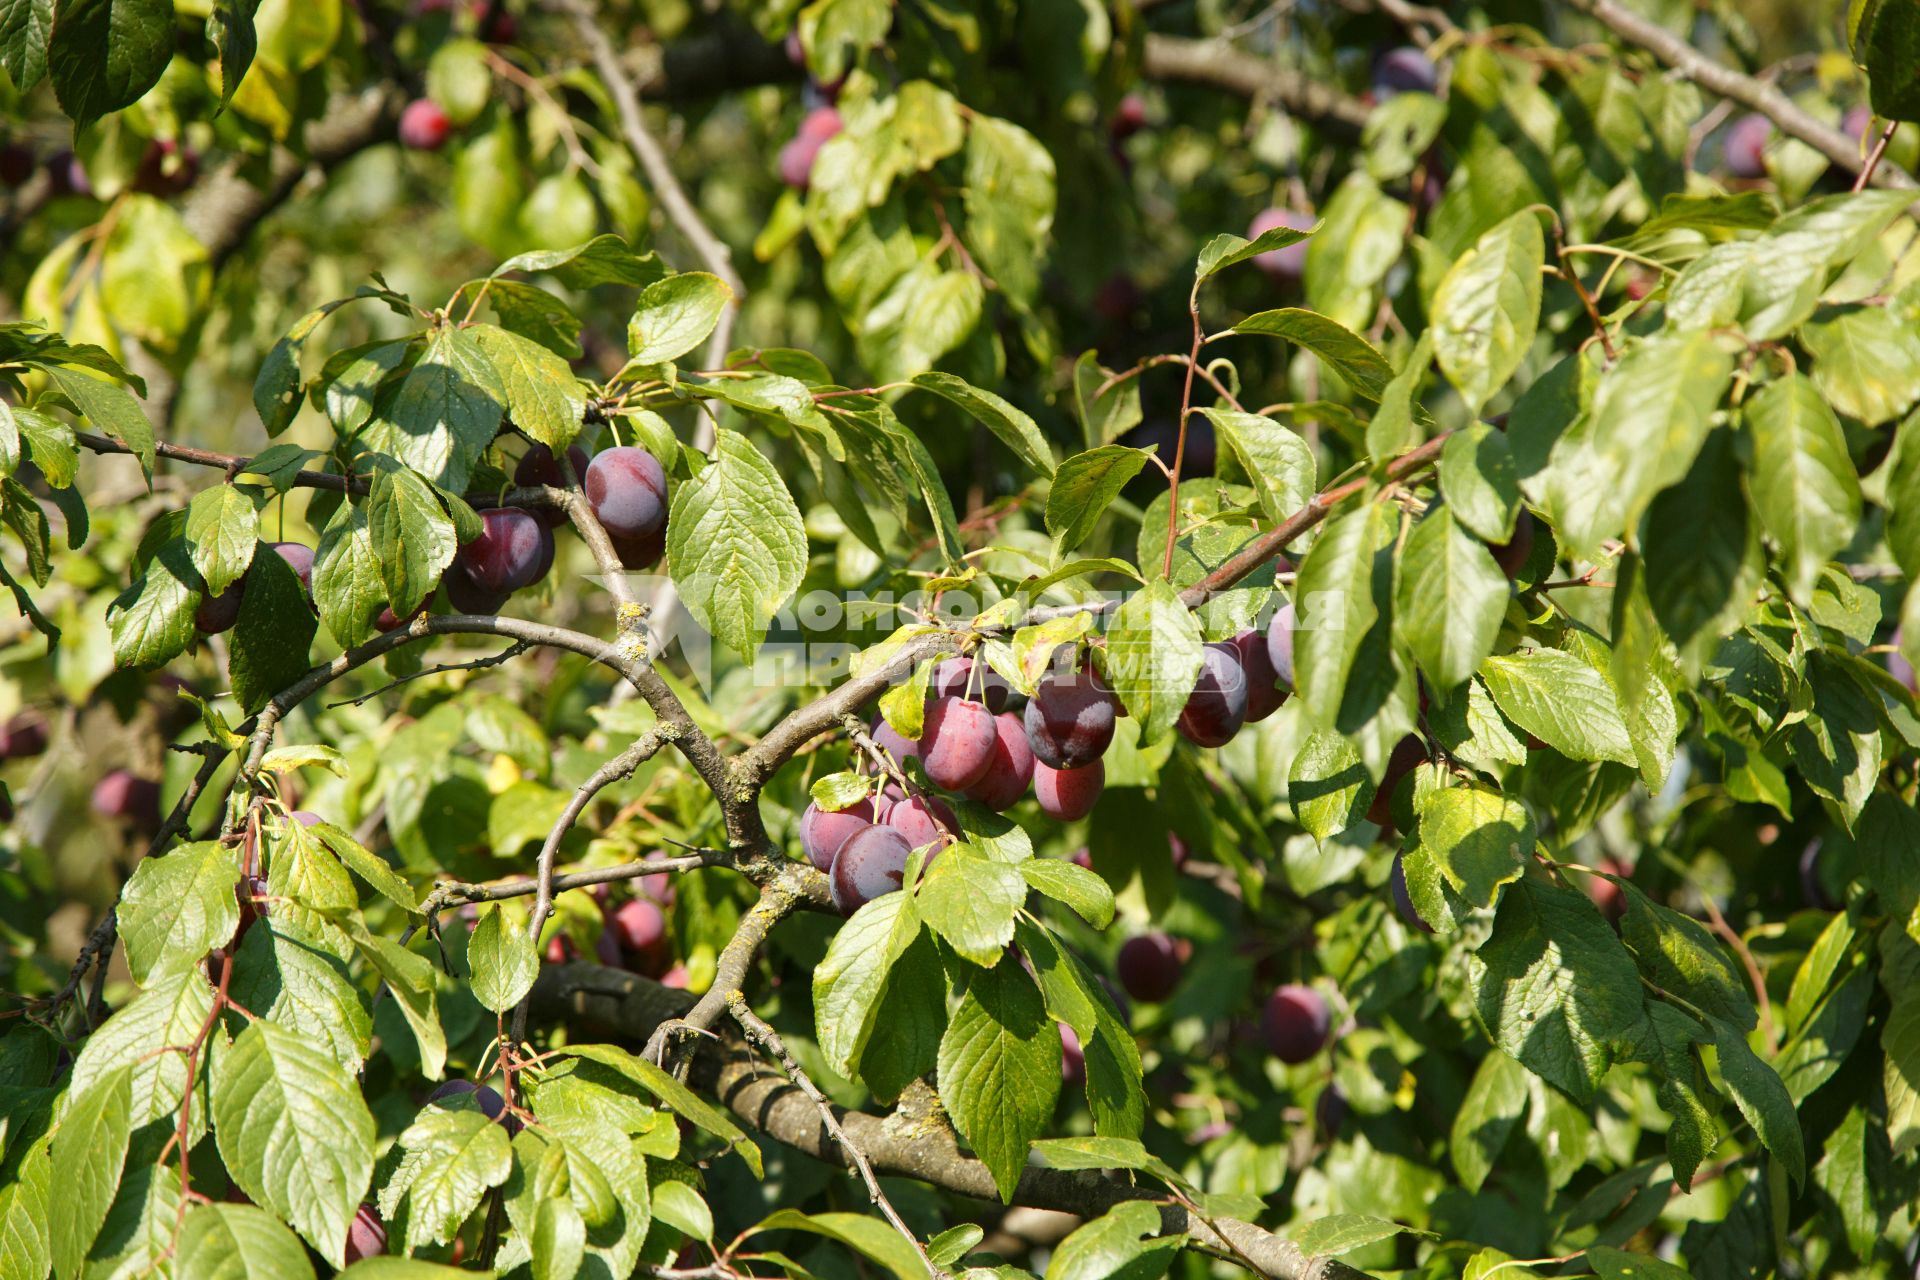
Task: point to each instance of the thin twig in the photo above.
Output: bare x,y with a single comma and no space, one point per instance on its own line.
1874,158
1739,945
513,650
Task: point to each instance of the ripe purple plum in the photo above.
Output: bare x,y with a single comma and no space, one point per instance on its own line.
299,558
22,736
1401,761
1296,1023
1744,146
1265,693
490,1103
466,596
1404,70
1402,900
923,820
1897,665
538,466
1606,895
889,740
67,176
627,489
1280,643
1288,263
640,927
16,164
955,678
823,831
366,1235
123,795
512,551
798,155
1068,795
957,742
1011,770
1858,122
1512,554
638,554
424,125
166,168
387,620
1069,719
1129,117
218,613
1148,967
1217,707
872,863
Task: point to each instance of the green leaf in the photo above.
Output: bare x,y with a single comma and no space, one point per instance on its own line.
1276,460
50,442
605,259
369,866
970,901
223,528
448,1158
1363,233
954,1243
1084,488
89,1150
1105,415
141,1225
1495,1101
1651,412
1335,597
1009,204
268,648
684,1101
847,984
1479,839
1866,360
1336,1233
1089,895
409,980
178,907
443,413
1562,701
558,1243
291,968
674,315
152,622
999,1069
1107,1153
1153,657
1618,1264
1791,264
992,835
277,387
1708,565
1803,480
1015,429
26,1248
412,537
106,405
1481,481
294,1132
1345,352
104,54
1328,784
1762,1099
1225,250
503,962
736,544
24,28
837,791
1401,422
237,1242
1111,1246
348,586
1885,36
1488,306
1678,955
543,397
1554,986
1450,599
230,31
169,1012
1900,1041
680,1206
1075,996
860,1232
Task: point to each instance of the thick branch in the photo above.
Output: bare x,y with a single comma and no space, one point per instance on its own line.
1219,65
914,1142
1748,91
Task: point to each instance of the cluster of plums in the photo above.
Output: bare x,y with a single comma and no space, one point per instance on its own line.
1295,1022
625,486
634,934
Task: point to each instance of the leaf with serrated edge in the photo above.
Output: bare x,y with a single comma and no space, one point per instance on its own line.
999,1069
178,907
970,901
736,544
238,1242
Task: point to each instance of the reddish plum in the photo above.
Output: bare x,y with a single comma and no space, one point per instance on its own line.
1401,761
424,125
890,741
24,735
465,596
1296,1023
512,551
1280,644
1217,707
366,1235
1068,795
956,678
823,831
923,820
123,795
872,863
1288,263
1744,146
627,489
538,466
1069,719
957,742
1402,900
1011,770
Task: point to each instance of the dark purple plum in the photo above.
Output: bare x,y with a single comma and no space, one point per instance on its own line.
1402,901
388,620
1280,644
628,491
1897,665
464,596
955,678
424,125
1329,1111
366,1235
1296,1023
538,466
823,831
1407,753
1217,707
1288,263
1148,967
1812,888
166,168
123,795
957,742
1265,694
218,613
22,736
1744,146
923,820
16,164
490,1103
638,554
1069,719
512,551
1011,770
1512,554
872,863
1404,70
1068,795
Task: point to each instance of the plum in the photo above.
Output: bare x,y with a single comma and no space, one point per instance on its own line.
1897,665
490,1103
627,488
1069,719
1217,707
22,736
1264,690
798,155
955,678
1404,70
218,613
123,795
957,742
1744,146
1148,967
538,466
641,552
1406,754
1606,895
366,1235
299,558
465,596
1280,643
16,164
872,863
1812,888
923,820
823,831
424,125
1296,1023
1288,263
1073,1059
1512,554
1329,1111
67,176
889,740
166,168
387,620
1402,900
512,551
1011,770
1129,117
639,926
1068,794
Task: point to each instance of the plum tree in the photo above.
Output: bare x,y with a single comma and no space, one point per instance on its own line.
1407,754
823,831
1744,145
424,125
1295,1023
538,466
1265,691
1148,966
513,551
1068,794
958,743
1070,719
1010,771
123,795
1404,70
1217,707
923,820
627,489
1280,643
872,863
1288,263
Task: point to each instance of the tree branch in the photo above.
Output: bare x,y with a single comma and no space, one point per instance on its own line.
1744,89
1219,65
